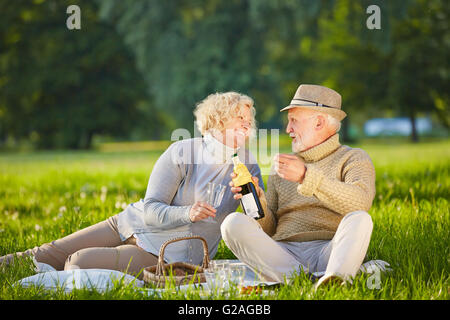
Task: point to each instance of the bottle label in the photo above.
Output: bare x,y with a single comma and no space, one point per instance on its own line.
249,205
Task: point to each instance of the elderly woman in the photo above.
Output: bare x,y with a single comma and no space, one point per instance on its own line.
175,201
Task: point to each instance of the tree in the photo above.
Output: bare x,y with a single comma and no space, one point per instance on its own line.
137,68
187,50
420,69
60,87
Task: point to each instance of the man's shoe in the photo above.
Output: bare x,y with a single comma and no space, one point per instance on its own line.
327,280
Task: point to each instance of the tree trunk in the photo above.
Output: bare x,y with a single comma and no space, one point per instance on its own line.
85,140
414,135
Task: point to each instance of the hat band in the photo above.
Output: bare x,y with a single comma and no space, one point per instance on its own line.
315,103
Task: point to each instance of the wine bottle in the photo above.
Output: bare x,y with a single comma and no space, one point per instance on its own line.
250,201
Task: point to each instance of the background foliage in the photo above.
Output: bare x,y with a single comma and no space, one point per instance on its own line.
136,69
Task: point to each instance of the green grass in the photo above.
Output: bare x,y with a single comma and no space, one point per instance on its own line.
47,195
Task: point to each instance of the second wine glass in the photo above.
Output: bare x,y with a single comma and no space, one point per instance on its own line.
214,193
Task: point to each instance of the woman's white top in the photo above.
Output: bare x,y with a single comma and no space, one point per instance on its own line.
179,178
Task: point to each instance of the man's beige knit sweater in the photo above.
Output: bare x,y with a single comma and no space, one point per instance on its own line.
338,180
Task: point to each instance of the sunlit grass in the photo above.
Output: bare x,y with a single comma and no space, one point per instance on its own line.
47,195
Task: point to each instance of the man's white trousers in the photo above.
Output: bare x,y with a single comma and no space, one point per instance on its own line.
274,260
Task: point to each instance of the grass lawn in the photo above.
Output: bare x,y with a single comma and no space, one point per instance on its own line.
47,195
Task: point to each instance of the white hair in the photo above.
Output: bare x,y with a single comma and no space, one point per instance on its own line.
333,122
218,108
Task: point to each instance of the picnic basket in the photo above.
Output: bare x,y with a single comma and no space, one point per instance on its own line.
179,272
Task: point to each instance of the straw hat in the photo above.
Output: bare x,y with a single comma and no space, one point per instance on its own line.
318,98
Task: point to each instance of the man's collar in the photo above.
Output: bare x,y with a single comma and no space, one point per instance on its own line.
321,150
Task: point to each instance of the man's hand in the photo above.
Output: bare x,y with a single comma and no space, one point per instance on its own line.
236,190
290,167
201,210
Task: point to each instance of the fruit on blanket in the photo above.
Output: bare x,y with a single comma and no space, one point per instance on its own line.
251,289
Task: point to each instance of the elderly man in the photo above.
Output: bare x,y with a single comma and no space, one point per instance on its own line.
316,204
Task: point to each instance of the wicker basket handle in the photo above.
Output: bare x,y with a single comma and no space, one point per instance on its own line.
160,266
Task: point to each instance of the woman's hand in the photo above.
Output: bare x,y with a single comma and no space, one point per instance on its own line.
201,210
236,190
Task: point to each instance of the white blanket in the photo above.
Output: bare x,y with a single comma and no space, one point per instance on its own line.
98,279
104,279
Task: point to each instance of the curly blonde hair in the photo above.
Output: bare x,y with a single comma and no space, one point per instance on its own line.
218,108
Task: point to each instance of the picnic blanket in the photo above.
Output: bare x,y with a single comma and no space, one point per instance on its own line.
104,279
100,279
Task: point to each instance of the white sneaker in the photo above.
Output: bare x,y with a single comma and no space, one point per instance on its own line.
332,279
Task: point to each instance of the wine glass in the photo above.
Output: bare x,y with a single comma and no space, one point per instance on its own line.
237,274
214,194
217,275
